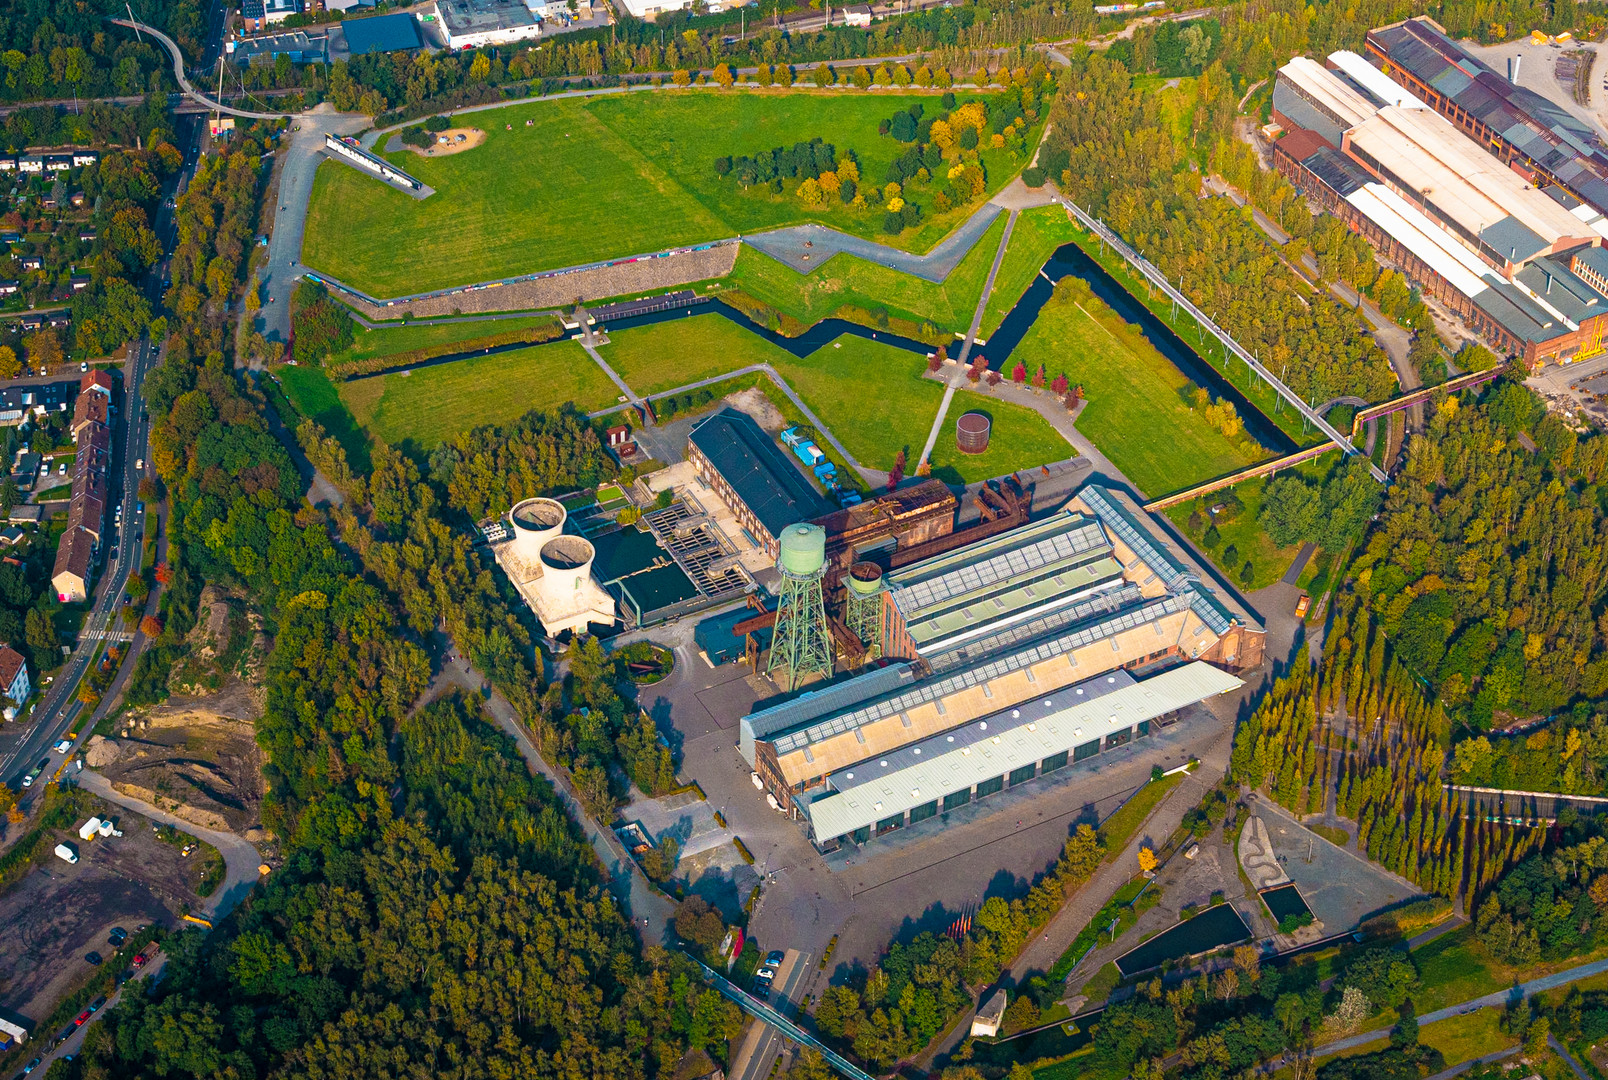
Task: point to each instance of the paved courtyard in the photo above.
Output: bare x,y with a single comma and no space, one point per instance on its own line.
709,864
1341,887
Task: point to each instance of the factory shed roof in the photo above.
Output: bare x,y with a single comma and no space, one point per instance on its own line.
751,462
900,697
1375,82
1423,153
1302,144
1558,288
834,697
1008,577
1594,257
914,775
1341,100
382,34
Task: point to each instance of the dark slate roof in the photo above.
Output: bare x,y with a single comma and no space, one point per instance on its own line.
754,466
1339,172
382,33
1513,240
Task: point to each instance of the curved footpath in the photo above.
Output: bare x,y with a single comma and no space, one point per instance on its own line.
183,80
240,859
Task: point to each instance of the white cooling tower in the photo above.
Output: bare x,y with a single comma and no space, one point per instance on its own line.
535,522
566,567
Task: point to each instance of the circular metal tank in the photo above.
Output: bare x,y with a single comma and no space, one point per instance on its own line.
971,433
535,522
566,564
803,550
865,578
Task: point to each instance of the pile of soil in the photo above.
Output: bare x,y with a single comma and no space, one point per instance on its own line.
194,755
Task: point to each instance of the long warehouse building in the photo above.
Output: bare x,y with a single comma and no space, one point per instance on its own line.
1516,263
1525,131
997,649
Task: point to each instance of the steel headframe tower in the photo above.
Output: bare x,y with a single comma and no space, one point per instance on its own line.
801,642
863,607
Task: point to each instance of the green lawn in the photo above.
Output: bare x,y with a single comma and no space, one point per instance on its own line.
603,177
390,340
871,395
1037,234
427,406
1020,439
1463,1038
855,289
315,397
1140,411
1244,534
663,356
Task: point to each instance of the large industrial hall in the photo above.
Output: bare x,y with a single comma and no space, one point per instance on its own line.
1003,660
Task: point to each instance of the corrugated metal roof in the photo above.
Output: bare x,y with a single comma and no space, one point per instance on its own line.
958,760
1374,81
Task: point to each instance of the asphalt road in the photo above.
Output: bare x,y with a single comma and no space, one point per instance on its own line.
60,709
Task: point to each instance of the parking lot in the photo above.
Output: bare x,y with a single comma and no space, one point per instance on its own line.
62,911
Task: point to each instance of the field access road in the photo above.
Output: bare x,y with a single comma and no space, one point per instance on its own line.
240,859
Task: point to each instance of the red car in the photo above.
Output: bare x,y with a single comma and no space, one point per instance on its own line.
139,959
81,1018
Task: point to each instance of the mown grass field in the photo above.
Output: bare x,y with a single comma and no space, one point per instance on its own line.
602,177
846,282
389,340
1037,234
1139,410
1020,439
425,407
871,395
653,359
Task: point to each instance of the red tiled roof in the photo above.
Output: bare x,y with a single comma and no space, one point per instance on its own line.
1300,144
97,379
73,554
11,662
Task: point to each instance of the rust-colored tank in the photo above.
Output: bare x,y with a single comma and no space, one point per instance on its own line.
971,433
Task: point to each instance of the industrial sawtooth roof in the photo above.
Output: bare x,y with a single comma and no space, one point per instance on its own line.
1010,739
1006,577
1548,133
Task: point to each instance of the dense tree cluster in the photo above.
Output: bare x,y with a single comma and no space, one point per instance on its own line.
322,327
1569,755
96,123
489,469
801,161
1489,567
58,51
1550,906
1123,162
1330,514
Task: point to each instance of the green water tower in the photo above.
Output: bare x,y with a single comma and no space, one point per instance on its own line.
863,609
802,641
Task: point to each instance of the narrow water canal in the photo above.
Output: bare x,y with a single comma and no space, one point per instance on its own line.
1067,260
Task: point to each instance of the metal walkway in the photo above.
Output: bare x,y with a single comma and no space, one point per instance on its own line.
1159,280
765,1014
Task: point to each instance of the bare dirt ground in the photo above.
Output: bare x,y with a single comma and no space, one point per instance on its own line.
757,405
199,753
61,911
472,137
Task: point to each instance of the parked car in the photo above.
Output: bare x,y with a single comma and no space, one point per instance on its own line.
30,1067
64,746
774,960
96,1005
82,1017
117,936
765,974
94,958
139,960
